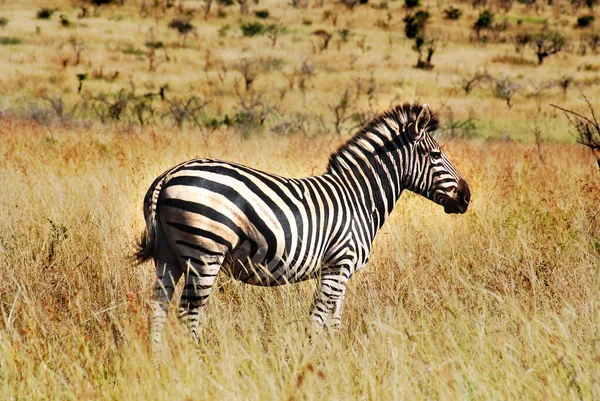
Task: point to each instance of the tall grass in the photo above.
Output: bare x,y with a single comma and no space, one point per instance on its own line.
500,303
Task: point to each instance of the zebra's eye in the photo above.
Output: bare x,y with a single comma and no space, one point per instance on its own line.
435,155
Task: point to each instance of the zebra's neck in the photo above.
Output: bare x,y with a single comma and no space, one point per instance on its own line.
371,167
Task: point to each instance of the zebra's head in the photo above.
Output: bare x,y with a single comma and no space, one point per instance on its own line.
429,172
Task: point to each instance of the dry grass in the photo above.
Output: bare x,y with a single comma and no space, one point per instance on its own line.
114,57
501,303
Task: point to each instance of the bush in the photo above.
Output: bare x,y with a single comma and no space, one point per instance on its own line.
521,39
584,21
452,13
183,26
412,3
155,44
344,34
484,21
9,40
414,25
44,13
262,14
3,22
252,29
64,21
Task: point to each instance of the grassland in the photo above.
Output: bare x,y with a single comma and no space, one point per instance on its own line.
500,303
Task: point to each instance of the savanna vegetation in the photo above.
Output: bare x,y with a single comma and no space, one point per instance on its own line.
99,97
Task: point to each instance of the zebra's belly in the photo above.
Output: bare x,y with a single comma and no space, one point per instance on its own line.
255,270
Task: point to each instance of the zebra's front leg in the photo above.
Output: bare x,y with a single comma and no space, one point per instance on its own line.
336,315
199,279
327,304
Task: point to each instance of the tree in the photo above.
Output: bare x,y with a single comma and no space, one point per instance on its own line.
484,21
546,43
414,28
414,25
421,46
183,26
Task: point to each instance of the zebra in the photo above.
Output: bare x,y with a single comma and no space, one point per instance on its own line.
206,215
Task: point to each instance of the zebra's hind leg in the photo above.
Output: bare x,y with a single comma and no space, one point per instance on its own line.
199,279
168,273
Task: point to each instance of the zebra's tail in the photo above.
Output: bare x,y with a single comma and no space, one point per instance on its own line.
147,243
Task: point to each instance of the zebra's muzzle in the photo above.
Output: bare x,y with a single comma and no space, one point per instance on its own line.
460,203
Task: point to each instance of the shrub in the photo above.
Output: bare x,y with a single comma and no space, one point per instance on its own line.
262,14
505,88
64,20
452,13
521,39
133,51
412,3
44,13
9,40
252,29
181,25
3,22
155,44
584,21
484,21
223,31
102,2
344,34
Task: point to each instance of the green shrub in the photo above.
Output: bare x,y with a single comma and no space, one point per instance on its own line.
9,40
262,14
344,34
412,3
3,21
452,13
585,21
155,44
181,25
44,13
484,21
134,51
102,2
252,29
64,20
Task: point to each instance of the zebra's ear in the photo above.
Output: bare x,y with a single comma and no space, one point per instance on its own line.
422,121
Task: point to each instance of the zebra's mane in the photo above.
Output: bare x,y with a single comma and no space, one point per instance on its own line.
388,124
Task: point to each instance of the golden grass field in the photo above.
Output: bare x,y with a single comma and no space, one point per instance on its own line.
500,303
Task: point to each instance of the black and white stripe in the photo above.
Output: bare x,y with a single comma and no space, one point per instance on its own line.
207,215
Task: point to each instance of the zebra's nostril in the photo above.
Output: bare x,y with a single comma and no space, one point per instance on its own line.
464,194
